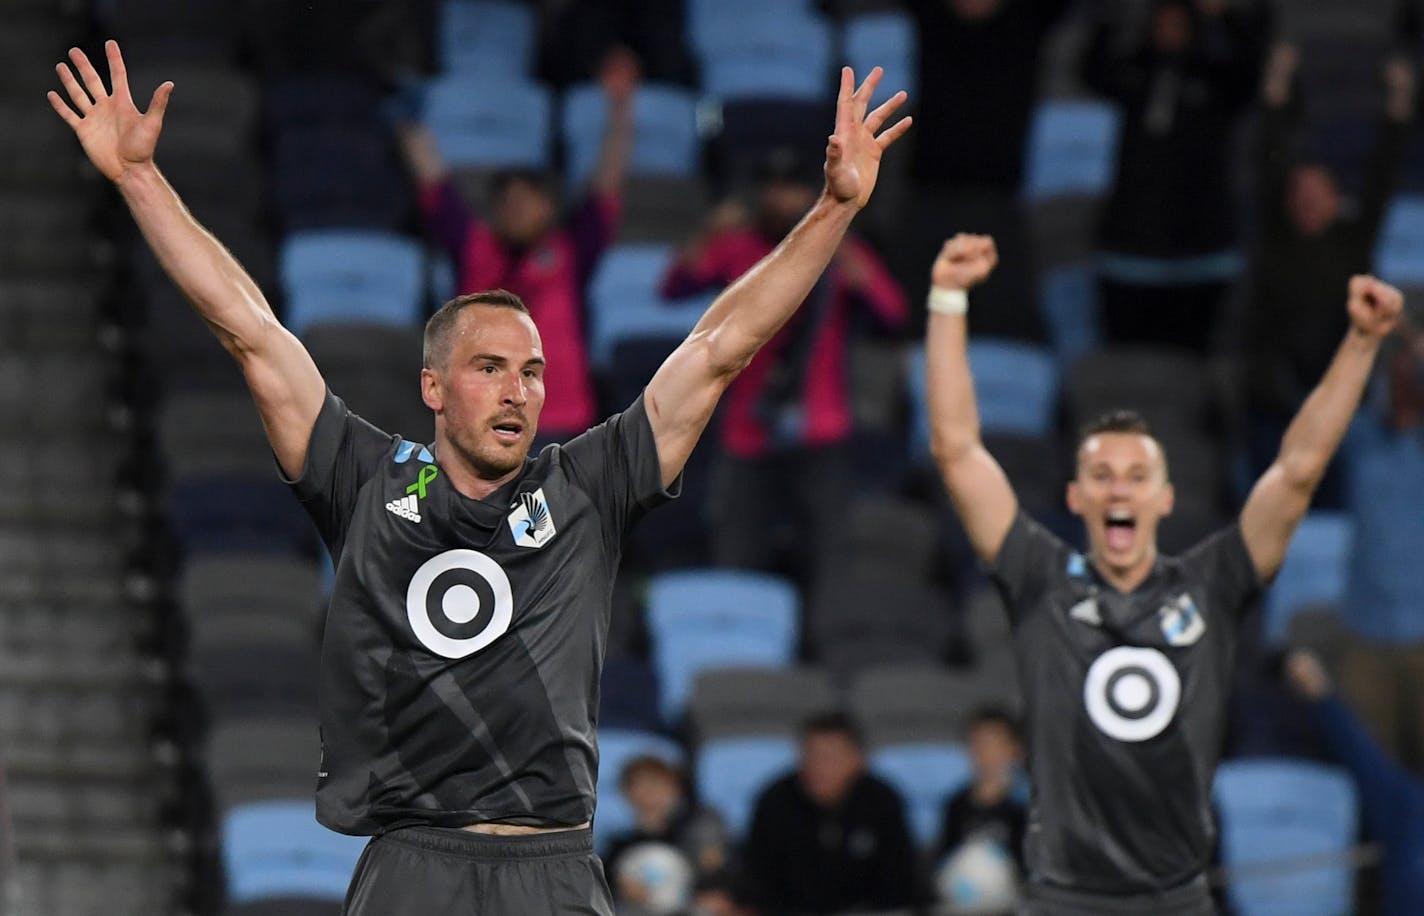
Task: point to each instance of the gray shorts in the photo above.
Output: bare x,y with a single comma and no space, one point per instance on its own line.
418,871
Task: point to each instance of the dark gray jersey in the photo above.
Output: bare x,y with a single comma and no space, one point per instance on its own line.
464,643
1126,706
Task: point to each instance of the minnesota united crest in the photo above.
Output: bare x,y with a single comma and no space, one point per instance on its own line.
530,522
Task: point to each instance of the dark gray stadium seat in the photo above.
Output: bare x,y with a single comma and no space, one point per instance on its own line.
47,233
256,679
885,536
660,209
1159,383
375,369
757,701
908,703
207,433
857,621
260,759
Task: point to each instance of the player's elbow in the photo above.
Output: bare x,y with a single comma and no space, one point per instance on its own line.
722,352
1301,471
951,446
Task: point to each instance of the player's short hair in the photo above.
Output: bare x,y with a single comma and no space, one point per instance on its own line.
993,715
1118,421
436,347
833,722
649,764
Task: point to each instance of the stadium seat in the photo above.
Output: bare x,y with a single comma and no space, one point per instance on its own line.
326,176
351,276
661,210
222,514
769,51
206,433
616,747
491,38
217,105
1070,311
260,676
263,759
507,128
1314,571
1399,254
277,849
172,30
913,704
628,697
375,369
910,625
1386,473
1276,811
887,40
1072,149
1164,385
624,304
665,141
700,619
926,775
733,772
312,99
755,129
1016,385
757,701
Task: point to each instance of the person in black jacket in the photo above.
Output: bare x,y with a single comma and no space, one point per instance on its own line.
1167,238
830,837
1310,245
986,809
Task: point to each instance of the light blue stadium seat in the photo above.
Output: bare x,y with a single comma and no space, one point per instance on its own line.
617,746
772,50
1399,255
351,276
624,301
1070,311
733,772
481,127
1072,149
1314,572
1274,810
1016,385
277,849
665,141
1386,473
887,40
701,619
926,775
494,38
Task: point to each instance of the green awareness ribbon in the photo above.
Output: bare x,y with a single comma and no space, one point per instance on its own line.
427,474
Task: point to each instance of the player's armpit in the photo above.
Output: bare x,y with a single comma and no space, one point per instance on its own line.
287,389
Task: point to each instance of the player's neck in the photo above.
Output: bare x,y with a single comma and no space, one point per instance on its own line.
466,480
1127,580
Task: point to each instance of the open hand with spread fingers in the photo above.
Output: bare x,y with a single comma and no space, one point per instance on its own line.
964,262
116,136
1375,307
853,153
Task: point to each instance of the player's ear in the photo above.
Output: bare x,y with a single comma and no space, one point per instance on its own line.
1074,498
1167,499
431,391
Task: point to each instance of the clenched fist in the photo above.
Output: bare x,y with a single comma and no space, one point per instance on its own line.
1374,306
964,262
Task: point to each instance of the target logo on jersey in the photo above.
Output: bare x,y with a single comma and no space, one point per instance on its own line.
459,602
1132,694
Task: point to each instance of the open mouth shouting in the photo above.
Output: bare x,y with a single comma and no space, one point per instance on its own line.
508,430
1121,528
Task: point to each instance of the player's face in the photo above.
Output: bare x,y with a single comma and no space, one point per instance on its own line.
830,763
488,397
1122,493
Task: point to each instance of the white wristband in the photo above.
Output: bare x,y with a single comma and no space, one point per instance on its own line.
948,301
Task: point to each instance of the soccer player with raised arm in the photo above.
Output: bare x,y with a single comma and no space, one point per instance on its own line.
1125,655
464,643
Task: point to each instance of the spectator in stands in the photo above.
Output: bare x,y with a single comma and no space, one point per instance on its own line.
1391,799
1382,669
987,809
663,814
979,65
1310,244
575,37
523,247
786,426
830,837
1167,238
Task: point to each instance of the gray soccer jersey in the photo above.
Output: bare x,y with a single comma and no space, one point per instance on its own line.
1126,706
464,642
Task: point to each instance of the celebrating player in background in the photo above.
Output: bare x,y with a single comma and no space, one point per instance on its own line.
1126,654
464,643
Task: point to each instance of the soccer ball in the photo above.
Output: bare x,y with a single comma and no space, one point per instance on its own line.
657,875
978,877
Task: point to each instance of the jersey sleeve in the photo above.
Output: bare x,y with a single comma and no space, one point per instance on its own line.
1224,564
343,453
616,464
1026,565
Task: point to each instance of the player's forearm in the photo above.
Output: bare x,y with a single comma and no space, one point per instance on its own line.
421,154
953,413
215,283
746,315
1315,433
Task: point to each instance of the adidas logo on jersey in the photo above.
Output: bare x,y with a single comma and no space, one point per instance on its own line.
406,507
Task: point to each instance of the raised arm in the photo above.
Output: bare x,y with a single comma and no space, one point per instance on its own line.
619,76
120,141
1282,495
977,485
685,390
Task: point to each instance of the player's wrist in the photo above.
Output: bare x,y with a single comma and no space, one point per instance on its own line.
948,300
